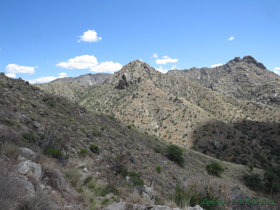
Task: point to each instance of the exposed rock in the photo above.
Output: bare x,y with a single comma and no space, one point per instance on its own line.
30,169
146,197
27,153
150,191
36,124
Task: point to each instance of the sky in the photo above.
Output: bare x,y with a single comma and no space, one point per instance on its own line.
44,40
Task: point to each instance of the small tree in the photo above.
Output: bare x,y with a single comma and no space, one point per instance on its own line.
214,169
175,153
118,159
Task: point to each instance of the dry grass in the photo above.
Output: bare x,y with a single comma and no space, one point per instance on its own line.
9,149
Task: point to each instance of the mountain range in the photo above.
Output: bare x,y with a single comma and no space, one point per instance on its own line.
230,112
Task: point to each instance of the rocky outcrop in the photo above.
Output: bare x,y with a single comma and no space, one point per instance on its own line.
27,153
30,169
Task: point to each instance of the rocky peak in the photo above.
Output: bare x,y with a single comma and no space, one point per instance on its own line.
132,73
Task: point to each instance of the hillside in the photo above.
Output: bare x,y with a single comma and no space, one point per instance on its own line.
74,153
70,90
86,79
244,79
190,115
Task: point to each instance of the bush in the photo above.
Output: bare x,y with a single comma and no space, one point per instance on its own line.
214,169
253,181
55,153
83,152
96,133
158,169
94,148
136,179
175,153
271,182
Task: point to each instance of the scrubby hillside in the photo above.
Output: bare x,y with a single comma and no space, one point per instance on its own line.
86,79
190,115
244,78
79,159
71,90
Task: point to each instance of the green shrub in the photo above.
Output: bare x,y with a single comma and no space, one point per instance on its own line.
136,179
175,153
9,122
158,169
83,152
96,133
253,181
94,148
158,150
55,153
271,182
214,169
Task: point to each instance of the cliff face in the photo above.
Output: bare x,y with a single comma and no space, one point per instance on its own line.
244,79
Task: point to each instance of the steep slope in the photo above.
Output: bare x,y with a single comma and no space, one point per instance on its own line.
70,90
86,79
244,78
25,115
187,114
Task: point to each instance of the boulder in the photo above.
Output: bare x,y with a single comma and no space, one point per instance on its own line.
36,124
27,153
30,169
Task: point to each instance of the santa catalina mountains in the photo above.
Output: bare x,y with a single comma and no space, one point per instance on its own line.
229,112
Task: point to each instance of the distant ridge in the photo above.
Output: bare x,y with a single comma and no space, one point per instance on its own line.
244,79
86,79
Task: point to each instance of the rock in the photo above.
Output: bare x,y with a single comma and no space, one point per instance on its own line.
36,124
27,153
237,59
116,206
21,159
146,197
150,191
85,170
30,169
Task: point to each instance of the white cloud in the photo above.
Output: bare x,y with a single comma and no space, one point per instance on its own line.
47,79
140,59
11,75
231,38
173,67
108,66
166,59
160,69
277,70
79,62
154,56
215,65
13,69
89,36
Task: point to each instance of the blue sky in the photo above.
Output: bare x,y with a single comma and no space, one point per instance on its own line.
43,40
